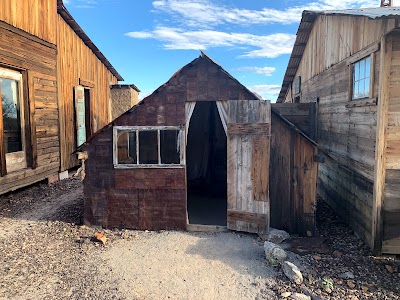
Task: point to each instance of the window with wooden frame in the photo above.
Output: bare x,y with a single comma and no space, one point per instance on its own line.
361,81
148,147
12,125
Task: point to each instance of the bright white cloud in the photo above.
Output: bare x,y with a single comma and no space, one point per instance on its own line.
267,91
263,46
206,13
267,71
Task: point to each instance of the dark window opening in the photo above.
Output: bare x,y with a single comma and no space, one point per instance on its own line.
148,147
169,147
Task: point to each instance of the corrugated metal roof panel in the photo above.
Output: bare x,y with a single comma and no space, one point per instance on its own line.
372,13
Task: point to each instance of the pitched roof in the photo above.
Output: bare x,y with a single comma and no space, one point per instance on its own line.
306,25
64,13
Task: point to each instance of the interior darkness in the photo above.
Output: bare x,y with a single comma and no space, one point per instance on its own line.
206,166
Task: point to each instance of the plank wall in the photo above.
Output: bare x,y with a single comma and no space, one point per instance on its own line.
37,17
348,135
391,202
37,63
77,63
293,183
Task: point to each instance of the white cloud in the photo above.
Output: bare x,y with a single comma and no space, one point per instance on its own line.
267,91
267,71
263,46
205,13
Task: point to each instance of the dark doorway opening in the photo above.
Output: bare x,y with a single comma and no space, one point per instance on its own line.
88,121
206,167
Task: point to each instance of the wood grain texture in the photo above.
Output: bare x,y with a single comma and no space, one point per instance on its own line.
248,165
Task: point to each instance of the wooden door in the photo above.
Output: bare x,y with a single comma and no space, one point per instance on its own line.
248,145
80,115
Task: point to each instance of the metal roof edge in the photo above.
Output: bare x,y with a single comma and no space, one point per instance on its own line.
64,13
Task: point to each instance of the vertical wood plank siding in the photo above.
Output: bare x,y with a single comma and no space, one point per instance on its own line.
38,17
151,198
76,61
37,63
391,202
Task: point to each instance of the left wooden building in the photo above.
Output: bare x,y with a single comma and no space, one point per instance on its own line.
55,88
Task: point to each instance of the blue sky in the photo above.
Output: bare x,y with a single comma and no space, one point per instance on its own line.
148,40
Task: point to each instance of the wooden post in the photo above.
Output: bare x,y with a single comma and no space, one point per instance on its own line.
3,170
380,149
32,123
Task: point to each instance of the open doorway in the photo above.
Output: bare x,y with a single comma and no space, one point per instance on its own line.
206,153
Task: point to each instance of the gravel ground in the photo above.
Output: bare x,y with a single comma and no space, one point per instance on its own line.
46,253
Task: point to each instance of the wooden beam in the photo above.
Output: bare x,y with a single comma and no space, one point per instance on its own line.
3,170
380,152
86,83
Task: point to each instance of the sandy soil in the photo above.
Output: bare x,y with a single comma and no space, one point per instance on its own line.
45,253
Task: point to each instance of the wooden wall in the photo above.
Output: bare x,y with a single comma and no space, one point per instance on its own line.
148,198
335,38
77,63
293,180
348,134
391,201
37,17
36,60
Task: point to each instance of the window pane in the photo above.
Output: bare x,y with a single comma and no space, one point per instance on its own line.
367,87
356,71
362,69
362,88
10,100
355,90
367,67
148,147
126,155
169,146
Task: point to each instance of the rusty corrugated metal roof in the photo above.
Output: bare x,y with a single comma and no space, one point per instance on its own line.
306,25
64,13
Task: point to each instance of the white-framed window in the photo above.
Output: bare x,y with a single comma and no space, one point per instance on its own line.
362,78
148,146
13,125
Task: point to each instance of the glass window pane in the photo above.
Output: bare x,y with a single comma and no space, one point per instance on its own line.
355,90
362,69
367,87
126,155
132,147
356,71
362,88
367,67
10,101
170,147
148,147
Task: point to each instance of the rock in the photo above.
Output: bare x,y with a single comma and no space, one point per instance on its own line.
286,294
273,252
317,257
337,254
347,275
292,272
298,296
364,288
100,237
390,269
351,284
277,236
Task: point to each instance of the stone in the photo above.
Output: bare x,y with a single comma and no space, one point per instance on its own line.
337,254
100,237
273,252
286,294
277,236
298,296
292,272
389,268
347,275
317,257
351,284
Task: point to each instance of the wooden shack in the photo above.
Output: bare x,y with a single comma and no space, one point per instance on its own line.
195,152
347,63
44,57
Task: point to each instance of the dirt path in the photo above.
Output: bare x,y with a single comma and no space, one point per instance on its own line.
182,265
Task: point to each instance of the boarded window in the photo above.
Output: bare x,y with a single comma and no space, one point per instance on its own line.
147,146
362,78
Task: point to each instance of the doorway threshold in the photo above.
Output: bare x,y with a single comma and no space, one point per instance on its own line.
206,228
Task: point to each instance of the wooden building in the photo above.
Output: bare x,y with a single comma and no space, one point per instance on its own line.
348,63
197,151
44,57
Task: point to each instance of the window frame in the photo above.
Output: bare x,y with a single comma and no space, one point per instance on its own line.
19,156
371,99
137,129
369,78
